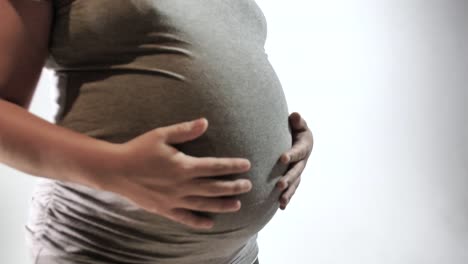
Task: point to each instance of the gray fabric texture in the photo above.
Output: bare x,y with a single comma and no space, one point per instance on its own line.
125,67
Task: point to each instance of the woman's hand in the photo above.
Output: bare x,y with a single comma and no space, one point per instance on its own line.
297,157
163,180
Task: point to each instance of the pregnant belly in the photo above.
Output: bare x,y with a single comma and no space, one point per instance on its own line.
248,118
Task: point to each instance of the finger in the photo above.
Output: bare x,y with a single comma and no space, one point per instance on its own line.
211,166
212,188
299,151
188,218
215,205
297,122
288,194
291,175
285,158
184,131
298,125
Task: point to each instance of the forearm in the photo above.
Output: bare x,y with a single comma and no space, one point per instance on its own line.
37,147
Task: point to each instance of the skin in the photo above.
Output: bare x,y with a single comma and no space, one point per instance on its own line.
25,43
296,157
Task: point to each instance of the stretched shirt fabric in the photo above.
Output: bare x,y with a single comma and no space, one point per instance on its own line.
125,67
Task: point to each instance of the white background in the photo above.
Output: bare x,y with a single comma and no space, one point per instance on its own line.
382,86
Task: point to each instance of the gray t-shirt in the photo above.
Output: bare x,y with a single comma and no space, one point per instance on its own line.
125,67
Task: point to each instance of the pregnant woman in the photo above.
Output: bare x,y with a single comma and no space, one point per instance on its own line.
132,174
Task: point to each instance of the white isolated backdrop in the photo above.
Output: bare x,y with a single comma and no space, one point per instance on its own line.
381,85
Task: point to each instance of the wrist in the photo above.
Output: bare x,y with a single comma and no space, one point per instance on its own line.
102,167
93,163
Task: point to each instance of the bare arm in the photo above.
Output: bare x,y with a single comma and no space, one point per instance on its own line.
32,145
137,169
27,142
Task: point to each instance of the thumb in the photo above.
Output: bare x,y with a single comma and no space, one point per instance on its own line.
184,131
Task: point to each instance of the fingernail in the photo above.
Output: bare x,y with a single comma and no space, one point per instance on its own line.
281,185
196,122
247,164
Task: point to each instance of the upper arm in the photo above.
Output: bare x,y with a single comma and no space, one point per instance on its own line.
24,38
